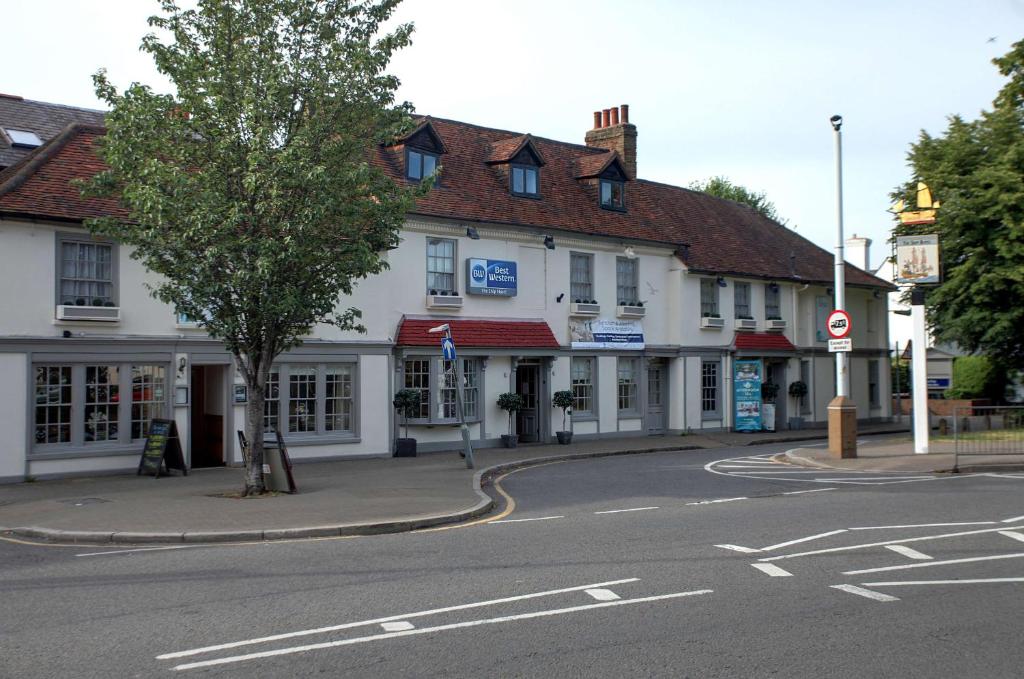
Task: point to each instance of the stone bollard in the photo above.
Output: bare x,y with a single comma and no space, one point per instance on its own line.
842,427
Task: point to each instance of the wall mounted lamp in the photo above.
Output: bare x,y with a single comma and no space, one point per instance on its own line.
549,242
472,233
722,283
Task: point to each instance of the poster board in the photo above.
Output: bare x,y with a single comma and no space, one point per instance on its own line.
747,377
162,450
602,333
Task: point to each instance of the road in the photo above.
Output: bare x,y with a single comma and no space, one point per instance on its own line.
691,564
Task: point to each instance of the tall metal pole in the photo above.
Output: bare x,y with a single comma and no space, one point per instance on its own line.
467,445
842,359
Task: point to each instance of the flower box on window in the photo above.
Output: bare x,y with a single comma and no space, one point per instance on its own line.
712,322
775,324
746,324
76,312
584,309
444,301
630,311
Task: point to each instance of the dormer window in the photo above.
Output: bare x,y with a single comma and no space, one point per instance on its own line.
419,164
525,181
612,194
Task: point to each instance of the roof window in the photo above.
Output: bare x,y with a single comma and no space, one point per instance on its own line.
23,138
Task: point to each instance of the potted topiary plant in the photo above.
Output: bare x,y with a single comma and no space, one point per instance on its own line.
510,402
406,402
797,390
563,400
769,390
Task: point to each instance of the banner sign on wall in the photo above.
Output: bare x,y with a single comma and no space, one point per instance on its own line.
493,277
606,334
747,384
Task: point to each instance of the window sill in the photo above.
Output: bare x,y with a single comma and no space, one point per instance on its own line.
440,423
585,417
87,451
312,440
629,415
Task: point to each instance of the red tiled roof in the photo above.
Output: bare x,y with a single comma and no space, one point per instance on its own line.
477,333
763,341
40,184
505,150
591,166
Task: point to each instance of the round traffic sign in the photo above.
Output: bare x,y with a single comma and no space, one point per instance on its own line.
838,324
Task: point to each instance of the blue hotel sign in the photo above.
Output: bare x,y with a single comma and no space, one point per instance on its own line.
493,277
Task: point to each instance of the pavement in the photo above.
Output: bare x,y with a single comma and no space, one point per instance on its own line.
364,496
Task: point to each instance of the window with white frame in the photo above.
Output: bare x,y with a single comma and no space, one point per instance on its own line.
874,400
86,271
708,297
626,280
772,303
710,388
628,381
437,381
311,399
582,379
440,265
741,300
87,404
581,277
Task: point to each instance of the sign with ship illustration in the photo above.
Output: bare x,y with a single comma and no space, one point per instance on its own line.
917,259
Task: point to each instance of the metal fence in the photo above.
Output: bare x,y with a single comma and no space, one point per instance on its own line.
987,430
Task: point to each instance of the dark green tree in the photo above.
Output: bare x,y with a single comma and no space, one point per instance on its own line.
248,189
722,187
976,169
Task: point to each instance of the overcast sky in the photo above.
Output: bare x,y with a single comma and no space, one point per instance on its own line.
737,88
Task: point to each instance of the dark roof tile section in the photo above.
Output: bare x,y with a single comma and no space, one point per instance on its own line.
44,119
592,166
723,236
505,150
763,341
41,184
478,333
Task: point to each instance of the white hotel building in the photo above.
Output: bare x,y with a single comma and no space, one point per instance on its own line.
87,356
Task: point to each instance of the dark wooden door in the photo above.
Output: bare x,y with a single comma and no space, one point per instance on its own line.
528,419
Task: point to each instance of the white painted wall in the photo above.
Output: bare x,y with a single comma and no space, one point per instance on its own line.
14,416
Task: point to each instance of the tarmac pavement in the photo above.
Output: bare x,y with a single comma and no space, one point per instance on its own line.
364,496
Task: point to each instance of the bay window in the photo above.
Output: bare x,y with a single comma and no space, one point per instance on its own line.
437,381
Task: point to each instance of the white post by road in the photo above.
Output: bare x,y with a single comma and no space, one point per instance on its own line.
919,368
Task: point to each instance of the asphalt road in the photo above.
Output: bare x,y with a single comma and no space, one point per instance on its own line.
691,564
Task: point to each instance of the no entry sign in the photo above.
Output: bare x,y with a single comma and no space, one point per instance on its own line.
838,324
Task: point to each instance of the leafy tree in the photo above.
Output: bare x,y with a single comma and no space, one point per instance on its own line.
722,187
976,169
977,377
249,190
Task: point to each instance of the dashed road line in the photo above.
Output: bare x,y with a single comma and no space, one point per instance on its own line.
971,581
438,628
715,502
619,511
602,594
927,525
909,552
397,626
738,548
772,570
812,490
903,567
860,591
538,518
806,539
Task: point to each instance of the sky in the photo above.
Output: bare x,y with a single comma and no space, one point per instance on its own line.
741,89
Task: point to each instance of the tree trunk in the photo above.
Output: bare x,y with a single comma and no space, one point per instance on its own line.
254,432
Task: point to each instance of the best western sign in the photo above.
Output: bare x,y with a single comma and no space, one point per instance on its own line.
491,277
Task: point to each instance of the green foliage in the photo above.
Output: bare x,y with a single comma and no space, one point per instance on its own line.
406,402
976,377
564,400
899,374
797,389
722,187
769,391
511,402
249,190
976,169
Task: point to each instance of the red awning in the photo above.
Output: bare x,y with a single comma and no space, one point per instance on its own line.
762,341
475,333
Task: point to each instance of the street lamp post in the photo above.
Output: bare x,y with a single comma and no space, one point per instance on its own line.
842,412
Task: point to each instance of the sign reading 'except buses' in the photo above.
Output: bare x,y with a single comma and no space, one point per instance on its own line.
838,324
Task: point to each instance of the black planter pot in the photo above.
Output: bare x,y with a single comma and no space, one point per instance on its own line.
510,440
564,437
405,447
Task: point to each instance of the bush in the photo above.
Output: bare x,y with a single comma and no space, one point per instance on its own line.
511,402
976,377
797,389
563,400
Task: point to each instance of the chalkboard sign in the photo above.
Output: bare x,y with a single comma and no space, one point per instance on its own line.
162,449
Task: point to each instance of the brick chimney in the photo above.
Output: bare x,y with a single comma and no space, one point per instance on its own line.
613,131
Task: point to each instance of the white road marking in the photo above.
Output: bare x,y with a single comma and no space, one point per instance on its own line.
975,581
787,471
812,490
973,559
1012,534
927,525
397,626
860,591
880,544
602,594
908,552
806,539
714,502
619,511
772,570
539,518
439,628
738,548
140,549
390,618
1013,520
